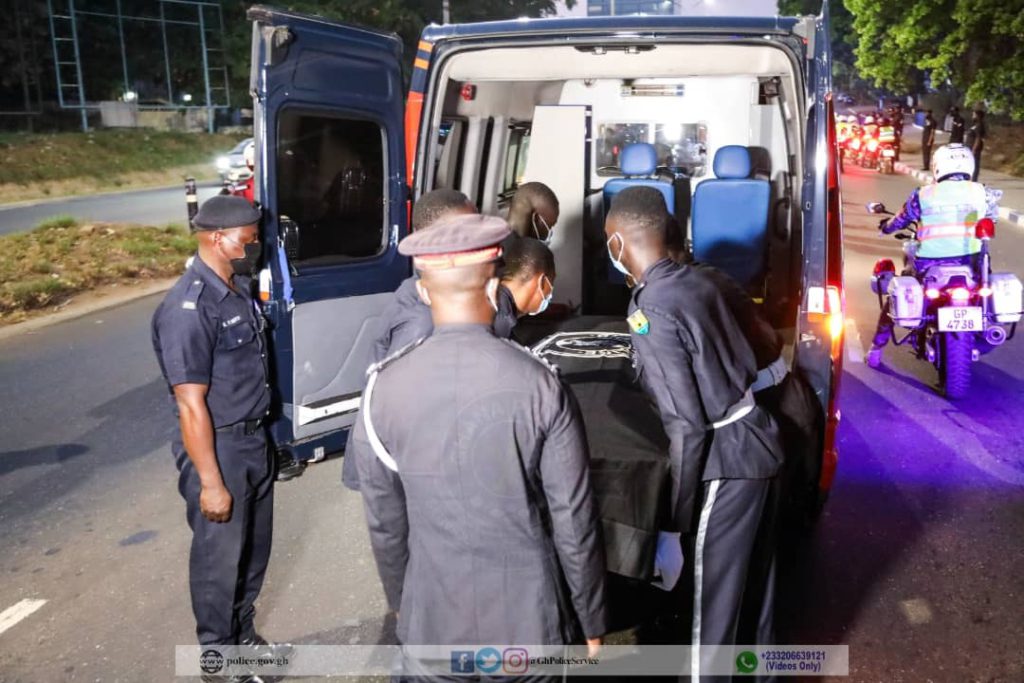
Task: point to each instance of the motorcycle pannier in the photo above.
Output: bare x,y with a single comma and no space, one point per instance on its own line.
1007,297
907,301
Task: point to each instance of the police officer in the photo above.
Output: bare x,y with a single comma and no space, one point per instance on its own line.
208,338
473,465
527,283
534,211
694,362
956,128
928,140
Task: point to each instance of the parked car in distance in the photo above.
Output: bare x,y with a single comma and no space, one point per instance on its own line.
232,166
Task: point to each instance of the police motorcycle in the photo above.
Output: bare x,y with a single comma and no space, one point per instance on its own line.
953,313
885,153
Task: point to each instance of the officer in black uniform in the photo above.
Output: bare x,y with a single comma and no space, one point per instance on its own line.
406,318
473,466
208,338
694,361
527,283
534,211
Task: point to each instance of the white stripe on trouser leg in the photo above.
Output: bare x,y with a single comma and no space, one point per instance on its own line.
698,577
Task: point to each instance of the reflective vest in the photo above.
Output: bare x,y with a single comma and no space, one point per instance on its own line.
886,134
949,211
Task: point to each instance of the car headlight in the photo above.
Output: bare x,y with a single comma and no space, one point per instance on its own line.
223,163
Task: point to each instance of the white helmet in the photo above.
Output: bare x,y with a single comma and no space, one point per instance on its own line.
249,153
951,160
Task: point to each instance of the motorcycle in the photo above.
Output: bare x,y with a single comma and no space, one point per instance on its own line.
886,158
953,313
868,151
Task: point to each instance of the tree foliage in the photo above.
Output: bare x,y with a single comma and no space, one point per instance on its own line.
975,46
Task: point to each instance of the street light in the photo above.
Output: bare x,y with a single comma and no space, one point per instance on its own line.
186,97
130,96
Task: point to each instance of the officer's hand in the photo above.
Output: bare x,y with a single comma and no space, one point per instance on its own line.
594,646
215,503
883,224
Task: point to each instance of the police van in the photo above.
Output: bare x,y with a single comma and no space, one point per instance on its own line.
730,118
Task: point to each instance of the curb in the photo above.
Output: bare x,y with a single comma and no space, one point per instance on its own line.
1009,215
86,308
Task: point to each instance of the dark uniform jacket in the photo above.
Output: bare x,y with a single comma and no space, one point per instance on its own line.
693,360
488,532
205,333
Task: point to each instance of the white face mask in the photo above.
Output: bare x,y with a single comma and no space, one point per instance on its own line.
536,230
492,293
617,260
545,300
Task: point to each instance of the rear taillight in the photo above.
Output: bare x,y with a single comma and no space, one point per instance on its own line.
960,295
932,293
985,229
884,265
834,311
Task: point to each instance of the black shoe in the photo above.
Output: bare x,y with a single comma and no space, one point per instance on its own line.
263,648
289,468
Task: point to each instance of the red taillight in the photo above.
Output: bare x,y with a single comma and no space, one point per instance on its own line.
932,293
985,229
960,294
834,307
884,265
985,291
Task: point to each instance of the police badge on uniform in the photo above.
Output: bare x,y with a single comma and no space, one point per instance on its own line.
639,323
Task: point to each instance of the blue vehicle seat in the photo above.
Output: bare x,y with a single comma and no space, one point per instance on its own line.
729,225
638,163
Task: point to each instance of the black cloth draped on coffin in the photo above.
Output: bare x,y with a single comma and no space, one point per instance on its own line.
628,446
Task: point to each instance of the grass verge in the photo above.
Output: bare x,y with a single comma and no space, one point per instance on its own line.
34,166
43,269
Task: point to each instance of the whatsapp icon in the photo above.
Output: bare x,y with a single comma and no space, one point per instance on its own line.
746,662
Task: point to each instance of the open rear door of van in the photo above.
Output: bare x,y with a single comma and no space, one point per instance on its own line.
331,179
821,324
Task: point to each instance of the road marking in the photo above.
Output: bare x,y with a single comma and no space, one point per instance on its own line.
15,613
854,347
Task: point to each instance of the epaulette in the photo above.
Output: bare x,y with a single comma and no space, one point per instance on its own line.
380,365
191,300
540,359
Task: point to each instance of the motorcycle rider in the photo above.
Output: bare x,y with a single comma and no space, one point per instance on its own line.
946,213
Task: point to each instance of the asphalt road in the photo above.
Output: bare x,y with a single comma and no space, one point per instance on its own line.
153,207
916,563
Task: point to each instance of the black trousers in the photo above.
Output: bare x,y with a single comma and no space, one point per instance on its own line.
926,153
977,162
733,565
228,560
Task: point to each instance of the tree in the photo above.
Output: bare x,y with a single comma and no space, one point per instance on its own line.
843,68
973,45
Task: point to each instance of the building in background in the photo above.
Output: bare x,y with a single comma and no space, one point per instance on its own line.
707,8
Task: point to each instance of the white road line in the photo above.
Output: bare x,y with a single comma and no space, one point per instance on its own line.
15,613
854,347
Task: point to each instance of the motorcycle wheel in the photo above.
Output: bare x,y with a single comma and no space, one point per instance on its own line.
955,364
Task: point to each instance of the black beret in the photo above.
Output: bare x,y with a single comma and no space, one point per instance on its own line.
225,211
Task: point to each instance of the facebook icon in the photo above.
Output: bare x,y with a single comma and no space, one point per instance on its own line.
463,661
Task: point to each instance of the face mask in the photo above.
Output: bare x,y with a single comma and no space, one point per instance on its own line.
492,293
617,261
536,230
250,262
545,300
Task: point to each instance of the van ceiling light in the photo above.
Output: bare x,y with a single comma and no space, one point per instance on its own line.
653,90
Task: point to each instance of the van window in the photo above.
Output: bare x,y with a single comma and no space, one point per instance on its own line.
515,157
330,181
681,147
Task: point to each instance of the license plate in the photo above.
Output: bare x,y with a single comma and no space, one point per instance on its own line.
960,319
888,153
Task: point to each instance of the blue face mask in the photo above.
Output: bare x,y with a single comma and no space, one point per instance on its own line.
545,299
617,260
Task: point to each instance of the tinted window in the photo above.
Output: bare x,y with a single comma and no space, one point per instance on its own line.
330,181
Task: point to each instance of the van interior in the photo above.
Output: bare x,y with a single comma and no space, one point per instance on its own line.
714,127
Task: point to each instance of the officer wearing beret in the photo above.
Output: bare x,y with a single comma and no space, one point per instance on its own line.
694,361
473,466
208,338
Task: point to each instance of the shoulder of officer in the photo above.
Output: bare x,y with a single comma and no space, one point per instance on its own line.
378,367
553,369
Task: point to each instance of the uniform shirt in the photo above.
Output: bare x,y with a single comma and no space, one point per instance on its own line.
694,362
764,341
488,532
407,319
956,130
928,134
949,205
206,333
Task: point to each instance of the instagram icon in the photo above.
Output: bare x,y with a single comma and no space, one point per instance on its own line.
515,660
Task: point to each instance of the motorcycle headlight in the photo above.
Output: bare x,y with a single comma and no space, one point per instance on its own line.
223,163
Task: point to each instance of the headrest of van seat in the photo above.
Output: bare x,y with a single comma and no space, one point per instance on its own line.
732,161
638,159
